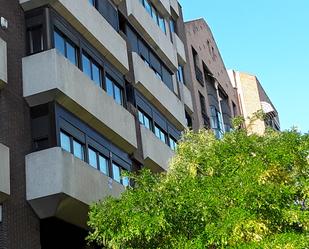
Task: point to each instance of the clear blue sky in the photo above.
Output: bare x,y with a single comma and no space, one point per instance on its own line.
268,38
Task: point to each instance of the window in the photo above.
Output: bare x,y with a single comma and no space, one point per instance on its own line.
159,20
92,157
234,109
114,90
154,14
173,26
118,175
92,2
202,103
173,143
91,69
216,122
180,75
78,149
65,142
147,6
65,47
160,134
162,24
35,39
103,164
144,120
198,72
189,119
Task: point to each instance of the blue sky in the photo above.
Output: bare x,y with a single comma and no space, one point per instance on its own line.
268,38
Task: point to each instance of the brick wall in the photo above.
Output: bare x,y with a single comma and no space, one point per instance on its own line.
20,226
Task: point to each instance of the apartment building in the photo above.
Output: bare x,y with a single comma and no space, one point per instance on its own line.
214,98
89,89
252,98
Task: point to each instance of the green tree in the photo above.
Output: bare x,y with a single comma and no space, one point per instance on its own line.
244,191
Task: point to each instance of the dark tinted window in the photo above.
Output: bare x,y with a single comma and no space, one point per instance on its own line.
35,39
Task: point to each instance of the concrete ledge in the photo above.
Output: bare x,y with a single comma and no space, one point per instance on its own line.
158,93
89,22
180,48
4,173
3,64
163,6
152,33
174,5
156,153
187,98
49,76
61,185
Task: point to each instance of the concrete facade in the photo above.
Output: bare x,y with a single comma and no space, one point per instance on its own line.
5,189
252,98
3,63
156,154
61,185
58,79
200,38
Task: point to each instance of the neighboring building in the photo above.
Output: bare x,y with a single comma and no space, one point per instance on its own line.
89,89
214,98
253,98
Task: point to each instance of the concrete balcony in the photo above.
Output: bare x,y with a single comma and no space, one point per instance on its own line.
187,97
180,48
3,64
163,6
49,76
151,32
4,173
61,185
94,27
158,93
174,5
156,153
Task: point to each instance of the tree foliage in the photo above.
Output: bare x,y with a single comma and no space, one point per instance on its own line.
244,191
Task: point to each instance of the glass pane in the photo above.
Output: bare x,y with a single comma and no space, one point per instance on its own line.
125,181
109,87
118,97
36,40
172,25
71,53
92,158
162,24
86,65
96,75
78,149
140,117
59,42
65,142
103,165
148,6
147,122
173,144
154,15
116,173
92,2
157,132
162,137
